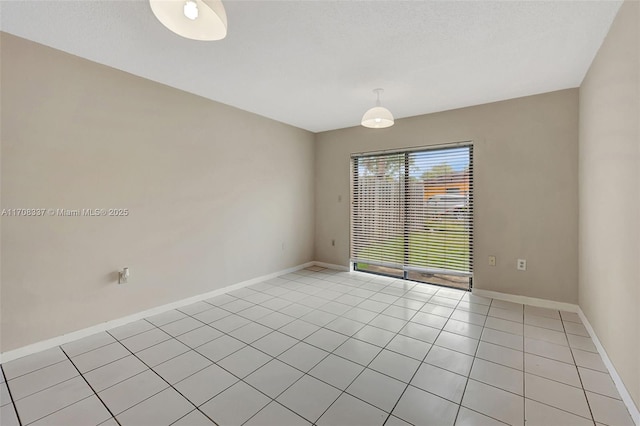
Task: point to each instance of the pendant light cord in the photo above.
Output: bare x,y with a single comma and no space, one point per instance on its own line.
377,92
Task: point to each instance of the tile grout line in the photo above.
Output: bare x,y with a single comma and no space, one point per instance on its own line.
81,353
37,369
553,380
524,372
112,362
349,337
325,357
584,391
423,358
163,379
190,412
90,387
335,354
66,406
253,371
398,333
369,363
316,364
153,368
420,365
47,388
471,369
538,340
216,362
13,404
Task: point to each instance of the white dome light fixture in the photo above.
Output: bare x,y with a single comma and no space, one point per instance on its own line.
377,117
204,20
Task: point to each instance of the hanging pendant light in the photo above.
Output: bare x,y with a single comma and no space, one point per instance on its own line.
194,19
377,117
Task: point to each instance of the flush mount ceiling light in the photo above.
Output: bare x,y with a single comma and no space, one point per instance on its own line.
194,19
377,117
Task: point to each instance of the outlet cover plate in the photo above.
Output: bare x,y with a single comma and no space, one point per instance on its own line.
522,265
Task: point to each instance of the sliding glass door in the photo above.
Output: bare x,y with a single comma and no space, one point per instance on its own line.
412,214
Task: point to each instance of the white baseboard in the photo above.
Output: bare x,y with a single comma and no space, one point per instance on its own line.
331,266
617,380
70,337
526,300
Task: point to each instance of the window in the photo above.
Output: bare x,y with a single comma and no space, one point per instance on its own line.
412,214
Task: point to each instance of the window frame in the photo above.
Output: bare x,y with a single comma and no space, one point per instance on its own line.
406,269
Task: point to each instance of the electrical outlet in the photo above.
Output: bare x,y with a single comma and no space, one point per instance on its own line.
339,198
333,243
522,265
492,261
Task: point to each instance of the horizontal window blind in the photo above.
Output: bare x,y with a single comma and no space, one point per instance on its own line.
377,215
414,210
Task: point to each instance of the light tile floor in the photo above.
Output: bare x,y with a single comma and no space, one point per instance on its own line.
327,348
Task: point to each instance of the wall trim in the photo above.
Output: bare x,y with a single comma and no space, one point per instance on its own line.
331,266
108,325
533,301
617,380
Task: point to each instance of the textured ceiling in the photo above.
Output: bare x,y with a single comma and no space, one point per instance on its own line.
314,64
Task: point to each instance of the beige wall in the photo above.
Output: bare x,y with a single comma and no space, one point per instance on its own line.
609,165
526,204
216,195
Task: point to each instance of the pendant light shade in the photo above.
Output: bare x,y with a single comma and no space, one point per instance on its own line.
204,20
377,117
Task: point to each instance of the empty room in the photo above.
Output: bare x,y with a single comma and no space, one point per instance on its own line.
353,213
